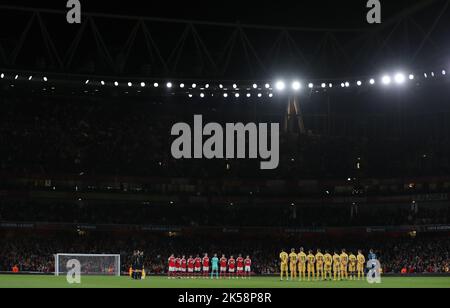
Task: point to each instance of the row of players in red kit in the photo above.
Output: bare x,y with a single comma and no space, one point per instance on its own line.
204,267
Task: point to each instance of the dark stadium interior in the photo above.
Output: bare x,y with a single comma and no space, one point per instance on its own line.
86,168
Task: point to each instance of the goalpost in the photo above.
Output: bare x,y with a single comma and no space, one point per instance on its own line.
91,264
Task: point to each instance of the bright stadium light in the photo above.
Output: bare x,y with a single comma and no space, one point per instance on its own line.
169,85
30,78
399,78
2,76
249,95
237,95
330,85
221,86
17,77
386,80
296,85
347,84
372,81
342,85
425,75
359,83
280,85
432,74
271,95
182,85
411,77
45,79
255,86
324,85
235,86
156,85
259,95
191,96
444,72
311,85
194,86
202,95
225,95
143,84
130,84
116,83
267,86
87,82
102,83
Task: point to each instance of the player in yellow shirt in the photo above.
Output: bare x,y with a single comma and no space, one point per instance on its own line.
311,266
352,266
293,264
328,259
344,265
361,264
284,259
302,264
320,259
336,266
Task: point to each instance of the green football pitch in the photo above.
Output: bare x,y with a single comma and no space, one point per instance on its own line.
10,281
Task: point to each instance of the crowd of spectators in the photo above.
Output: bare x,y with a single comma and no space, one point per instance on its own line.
35,253
49,135
312,216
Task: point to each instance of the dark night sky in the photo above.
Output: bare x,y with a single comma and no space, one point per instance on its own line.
320,13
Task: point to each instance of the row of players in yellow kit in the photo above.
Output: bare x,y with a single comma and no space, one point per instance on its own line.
325,266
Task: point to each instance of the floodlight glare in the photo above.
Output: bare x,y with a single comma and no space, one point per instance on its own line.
249,95
17,77
425,75
372,81
225,95
235,86
221,86
311,85
296,85
444,72
411,77
169,85
386,80
143,84
259,95
342,85
267,86
347,84
194,86
130,84
45,79
359,83
87,81
324,85
156,85
202,95
102,82
255,86
400,78
116,83
237,95
31,77
182,85
2,76
280,85
271,95
330,85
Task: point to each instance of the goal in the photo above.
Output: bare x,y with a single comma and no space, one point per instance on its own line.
91,264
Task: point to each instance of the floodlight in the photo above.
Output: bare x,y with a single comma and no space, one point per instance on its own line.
280,85
386,80
296,85
399,78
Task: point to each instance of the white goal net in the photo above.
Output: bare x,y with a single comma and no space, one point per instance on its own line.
91,264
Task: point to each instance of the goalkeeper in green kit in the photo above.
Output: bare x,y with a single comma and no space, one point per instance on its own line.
215,267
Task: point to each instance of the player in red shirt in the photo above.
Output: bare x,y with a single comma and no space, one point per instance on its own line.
248,267
177,267
205,263
183,263
231,267
198,266
223,266
190,266
240,266
172,267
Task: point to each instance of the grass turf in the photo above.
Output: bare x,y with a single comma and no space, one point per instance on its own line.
10,281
